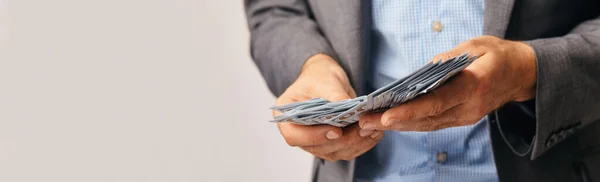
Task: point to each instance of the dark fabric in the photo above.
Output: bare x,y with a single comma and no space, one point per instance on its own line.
574,159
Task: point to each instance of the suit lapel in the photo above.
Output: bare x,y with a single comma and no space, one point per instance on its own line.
496,17
346,25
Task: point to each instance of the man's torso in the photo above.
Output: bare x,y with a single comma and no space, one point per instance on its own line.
346,25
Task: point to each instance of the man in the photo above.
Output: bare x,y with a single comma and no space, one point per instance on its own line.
525,110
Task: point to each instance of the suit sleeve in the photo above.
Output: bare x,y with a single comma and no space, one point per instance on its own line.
283,35
567,93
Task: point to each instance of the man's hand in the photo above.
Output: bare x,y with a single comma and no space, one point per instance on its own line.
322,77
505,71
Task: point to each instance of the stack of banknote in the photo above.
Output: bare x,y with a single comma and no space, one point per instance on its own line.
345,112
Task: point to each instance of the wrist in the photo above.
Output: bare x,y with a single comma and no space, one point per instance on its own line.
526,72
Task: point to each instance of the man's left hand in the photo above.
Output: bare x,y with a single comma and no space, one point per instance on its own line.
505,71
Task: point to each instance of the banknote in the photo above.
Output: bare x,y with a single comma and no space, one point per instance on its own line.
345,112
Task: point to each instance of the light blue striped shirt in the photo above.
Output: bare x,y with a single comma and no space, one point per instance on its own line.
406,34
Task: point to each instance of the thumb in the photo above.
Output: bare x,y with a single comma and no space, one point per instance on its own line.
340,94
338,97
284,99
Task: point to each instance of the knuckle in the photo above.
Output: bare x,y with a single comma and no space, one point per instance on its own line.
437,107
469,43
476,42
409,114
289,141
313,139
427,124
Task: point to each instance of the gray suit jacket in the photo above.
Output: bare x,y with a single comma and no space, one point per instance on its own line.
554,137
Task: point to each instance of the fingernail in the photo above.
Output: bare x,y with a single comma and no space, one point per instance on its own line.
364,133
376,134
368,126
332,135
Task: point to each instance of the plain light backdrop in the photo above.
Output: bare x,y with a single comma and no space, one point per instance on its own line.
135,90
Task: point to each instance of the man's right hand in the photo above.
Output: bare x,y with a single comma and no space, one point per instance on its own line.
322,77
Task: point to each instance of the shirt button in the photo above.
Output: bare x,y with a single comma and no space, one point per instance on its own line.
442,157
437,26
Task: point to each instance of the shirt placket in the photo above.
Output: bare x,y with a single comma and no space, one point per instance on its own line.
430,17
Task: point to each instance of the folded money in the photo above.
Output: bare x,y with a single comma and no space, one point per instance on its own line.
345,112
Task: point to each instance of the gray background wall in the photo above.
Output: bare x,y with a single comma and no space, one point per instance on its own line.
135,90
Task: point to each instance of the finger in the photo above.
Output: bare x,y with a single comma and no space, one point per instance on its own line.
351,137
447,55
372,121
449,118
455,92
286,99
303,135
471,46
358,149
427,126
350,143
